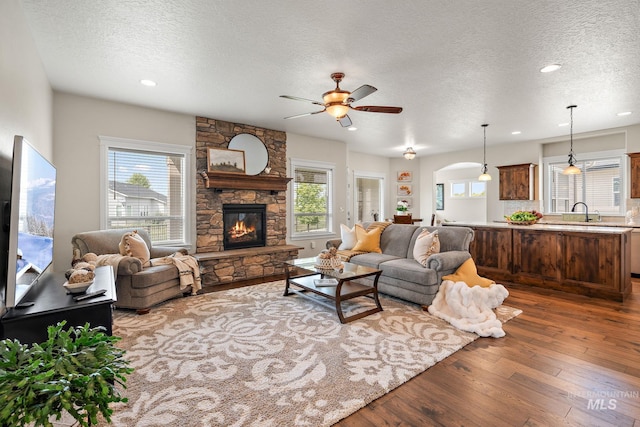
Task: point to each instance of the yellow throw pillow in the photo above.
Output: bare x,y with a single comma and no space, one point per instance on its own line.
426,245
133,245
368,241
468,273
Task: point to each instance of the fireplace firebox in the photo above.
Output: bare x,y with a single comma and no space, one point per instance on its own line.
245,225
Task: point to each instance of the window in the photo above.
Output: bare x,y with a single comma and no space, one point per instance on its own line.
468,188
312,198
458,189
145,185
477,189
599,185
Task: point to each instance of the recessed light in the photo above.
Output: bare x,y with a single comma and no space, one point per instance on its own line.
550,68
352,128
147,82
563,124
624,113
516,132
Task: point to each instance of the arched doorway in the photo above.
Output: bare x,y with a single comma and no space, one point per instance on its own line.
463,197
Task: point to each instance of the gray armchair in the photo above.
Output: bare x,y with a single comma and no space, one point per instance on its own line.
137,287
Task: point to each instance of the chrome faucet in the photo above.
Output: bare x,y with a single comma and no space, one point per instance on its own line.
586,210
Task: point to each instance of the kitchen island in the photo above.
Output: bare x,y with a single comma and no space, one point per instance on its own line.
583,259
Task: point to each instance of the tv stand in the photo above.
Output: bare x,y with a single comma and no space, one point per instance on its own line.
50,304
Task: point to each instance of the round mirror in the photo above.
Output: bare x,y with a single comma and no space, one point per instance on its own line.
256,156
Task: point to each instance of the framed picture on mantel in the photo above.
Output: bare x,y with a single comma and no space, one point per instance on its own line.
225,161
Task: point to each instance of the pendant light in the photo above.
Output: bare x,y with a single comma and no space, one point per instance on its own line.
484,176
409,153
571,169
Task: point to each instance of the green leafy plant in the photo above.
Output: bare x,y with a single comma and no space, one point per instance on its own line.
76,370
523,216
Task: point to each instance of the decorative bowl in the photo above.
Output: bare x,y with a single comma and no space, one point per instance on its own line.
77,288
531,222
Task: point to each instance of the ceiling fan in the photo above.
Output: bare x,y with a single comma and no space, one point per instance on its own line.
337,102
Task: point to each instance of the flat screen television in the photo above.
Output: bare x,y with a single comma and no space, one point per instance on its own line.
30,220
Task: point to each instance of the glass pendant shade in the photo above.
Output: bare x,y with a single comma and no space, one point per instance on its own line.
335,100
485,176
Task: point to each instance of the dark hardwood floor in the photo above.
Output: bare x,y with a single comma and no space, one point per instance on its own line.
567,360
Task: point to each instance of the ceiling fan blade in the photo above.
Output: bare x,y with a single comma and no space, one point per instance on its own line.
361,92
345,121
296,98
305,114
378,109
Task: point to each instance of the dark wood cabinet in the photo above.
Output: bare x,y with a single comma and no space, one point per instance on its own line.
537,255
491,250
52,304
583,262
518,182
634,175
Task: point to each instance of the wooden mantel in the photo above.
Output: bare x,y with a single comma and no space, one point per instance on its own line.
227,181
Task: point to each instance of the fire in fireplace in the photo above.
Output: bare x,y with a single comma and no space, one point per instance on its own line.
244,225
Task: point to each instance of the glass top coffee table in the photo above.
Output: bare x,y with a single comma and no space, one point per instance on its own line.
303,276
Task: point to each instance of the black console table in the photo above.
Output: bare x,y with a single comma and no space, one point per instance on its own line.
52,304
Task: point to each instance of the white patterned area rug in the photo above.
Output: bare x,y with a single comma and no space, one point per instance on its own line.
253,357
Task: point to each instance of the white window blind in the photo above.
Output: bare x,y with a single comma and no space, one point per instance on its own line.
599,185
312,199
147,189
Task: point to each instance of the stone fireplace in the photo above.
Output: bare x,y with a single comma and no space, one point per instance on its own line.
219,262
244,225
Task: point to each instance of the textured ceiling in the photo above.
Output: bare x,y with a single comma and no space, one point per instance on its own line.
452,65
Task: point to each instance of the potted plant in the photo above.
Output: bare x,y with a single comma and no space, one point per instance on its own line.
76,370
402,207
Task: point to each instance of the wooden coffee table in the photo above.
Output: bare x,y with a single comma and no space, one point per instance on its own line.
302,273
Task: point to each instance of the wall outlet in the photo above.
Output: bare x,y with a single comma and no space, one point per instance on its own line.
313,245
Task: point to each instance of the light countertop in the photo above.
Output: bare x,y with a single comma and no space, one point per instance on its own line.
560,226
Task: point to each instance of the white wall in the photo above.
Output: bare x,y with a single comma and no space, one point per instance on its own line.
461,209
25,103
497,155
401,164
78,123
25,93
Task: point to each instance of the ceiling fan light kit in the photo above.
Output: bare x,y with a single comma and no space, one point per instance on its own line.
572,169
337,102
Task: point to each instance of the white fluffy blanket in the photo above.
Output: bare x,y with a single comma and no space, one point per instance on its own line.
470,308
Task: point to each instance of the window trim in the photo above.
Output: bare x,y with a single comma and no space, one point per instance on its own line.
107,142
592,155
331,167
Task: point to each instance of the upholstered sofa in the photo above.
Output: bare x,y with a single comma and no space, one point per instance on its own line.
136,287
404,277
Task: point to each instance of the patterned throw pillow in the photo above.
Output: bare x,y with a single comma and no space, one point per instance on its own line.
133,245
426,245
348,236
368,241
